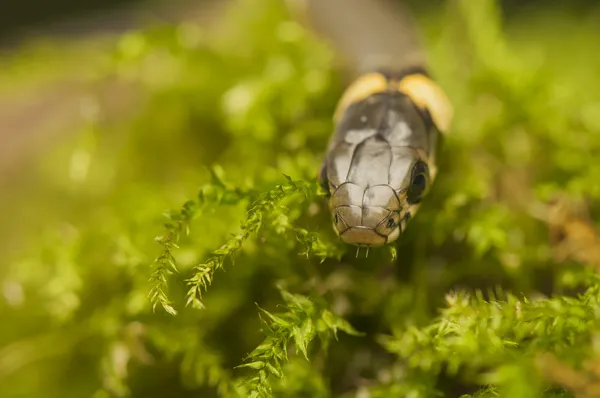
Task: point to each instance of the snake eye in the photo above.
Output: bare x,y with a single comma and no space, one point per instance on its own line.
418,183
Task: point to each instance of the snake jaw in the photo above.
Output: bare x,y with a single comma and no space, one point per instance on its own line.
362,236
394,235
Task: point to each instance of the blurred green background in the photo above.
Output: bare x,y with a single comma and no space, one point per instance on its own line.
102,131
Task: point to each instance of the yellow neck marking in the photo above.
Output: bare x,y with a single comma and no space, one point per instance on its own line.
426,94
361,88
423,91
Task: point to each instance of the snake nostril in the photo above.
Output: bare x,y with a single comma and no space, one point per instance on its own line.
335,218
391,223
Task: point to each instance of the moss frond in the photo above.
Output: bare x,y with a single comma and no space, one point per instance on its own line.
480,297
262,209
300,324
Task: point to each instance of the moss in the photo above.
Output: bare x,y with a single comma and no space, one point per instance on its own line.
230,135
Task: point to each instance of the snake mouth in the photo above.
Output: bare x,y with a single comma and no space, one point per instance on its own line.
362,236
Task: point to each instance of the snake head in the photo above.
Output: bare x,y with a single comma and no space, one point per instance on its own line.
375,215
377,167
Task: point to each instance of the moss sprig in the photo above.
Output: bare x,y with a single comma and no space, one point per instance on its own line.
211,195
260,209
482,337
302,321
283,222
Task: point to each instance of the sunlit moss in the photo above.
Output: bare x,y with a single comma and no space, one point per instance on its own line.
106,292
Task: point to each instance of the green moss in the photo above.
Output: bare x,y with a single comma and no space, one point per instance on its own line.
106,292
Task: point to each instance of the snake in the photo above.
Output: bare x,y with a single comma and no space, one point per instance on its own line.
380,161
